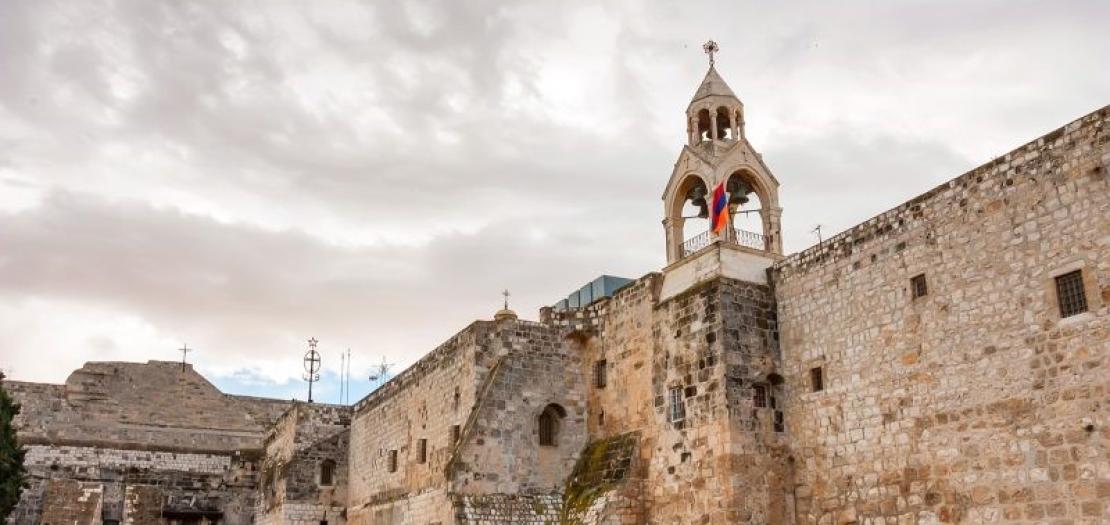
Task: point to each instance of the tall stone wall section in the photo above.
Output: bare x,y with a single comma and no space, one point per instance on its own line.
424,402
499,454
975,403
291,488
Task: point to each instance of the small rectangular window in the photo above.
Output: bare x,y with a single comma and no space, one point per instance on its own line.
601,418
816,379
678,405
918,286
393,461
599,374
454,434
422,450
759,396
780,424
1070,294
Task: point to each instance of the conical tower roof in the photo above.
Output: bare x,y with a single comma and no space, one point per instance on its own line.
711,85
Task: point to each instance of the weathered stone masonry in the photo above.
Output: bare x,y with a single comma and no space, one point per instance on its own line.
913,369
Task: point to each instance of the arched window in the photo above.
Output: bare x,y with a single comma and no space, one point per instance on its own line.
327,472
724,126
549,423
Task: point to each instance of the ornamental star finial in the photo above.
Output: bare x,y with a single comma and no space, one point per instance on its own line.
711,47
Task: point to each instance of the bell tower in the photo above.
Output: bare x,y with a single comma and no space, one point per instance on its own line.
718,151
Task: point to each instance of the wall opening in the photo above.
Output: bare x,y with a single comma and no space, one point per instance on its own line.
549,423
327,472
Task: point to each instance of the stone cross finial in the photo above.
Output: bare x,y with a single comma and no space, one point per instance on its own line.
711,47
506,294
184,350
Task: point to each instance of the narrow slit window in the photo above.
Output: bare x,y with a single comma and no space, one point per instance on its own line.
816,379
678,405
422,450
600,379
327,472
919,287
393,461
1070,294
759,396
780,423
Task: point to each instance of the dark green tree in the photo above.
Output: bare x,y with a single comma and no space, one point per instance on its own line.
11,454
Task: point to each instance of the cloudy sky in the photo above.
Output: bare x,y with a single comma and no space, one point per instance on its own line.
241,176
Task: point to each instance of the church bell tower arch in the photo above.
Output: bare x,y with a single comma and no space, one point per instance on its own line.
718,152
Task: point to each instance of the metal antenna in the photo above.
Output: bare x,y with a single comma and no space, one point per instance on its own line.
184,350
817,230
380,372
506,294
311,366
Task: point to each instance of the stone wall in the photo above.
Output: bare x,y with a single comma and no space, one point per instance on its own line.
154,433
291,488
425,402
975,403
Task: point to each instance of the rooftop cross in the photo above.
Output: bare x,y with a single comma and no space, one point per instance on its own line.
711,47
506,294
184,350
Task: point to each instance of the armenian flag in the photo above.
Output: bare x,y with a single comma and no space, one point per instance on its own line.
719,218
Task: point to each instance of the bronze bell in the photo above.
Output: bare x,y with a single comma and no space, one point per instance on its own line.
696,196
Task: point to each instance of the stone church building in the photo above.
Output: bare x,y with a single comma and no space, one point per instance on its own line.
943,362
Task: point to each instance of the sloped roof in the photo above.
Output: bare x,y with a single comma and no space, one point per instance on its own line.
712,84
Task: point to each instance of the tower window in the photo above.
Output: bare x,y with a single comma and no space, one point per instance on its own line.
600,378
780,423
454,434
918,286
327,473
816,379
392,461
549,422
678,405
1070,294
422,450
759,396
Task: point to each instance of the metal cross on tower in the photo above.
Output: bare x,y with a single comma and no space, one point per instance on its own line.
311,366
506,294
184,350
710,47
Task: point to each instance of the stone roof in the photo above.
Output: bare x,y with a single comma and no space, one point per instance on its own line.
711,85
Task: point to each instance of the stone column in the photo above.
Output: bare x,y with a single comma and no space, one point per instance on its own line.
772,228
732,124
692,130
672,226
713,125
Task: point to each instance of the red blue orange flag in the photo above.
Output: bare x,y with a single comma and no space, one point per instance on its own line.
719,218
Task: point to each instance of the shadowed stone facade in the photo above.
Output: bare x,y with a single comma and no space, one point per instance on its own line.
943,362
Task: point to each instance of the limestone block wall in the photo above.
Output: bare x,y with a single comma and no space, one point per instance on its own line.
425,402
975,402
291,489
500,451
126,425
72,502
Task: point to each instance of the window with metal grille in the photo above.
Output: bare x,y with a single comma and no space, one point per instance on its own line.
918,286
549,425
678,405
327,472
1070,294
816,379
422,450
600,378
393,461
759,396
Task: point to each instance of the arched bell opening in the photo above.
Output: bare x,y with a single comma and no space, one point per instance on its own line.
724,124
748,210
705,124
691,210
